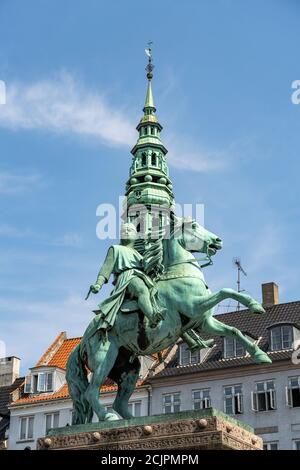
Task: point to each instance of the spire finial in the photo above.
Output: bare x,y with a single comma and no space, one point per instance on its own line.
150,66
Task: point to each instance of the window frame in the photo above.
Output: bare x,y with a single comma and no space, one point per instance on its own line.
289,393
236,345
45,388
281,327
172,402
202,400
236,399
27,418
132,405
52,415
270,399
190,355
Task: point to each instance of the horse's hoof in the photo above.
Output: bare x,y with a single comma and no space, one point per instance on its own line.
256,307
111,417
261,357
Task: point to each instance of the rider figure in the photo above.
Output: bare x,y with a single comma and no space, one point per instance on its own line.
125,262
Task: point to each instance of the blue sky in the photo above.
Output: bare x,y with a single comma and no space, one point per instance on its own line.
75,78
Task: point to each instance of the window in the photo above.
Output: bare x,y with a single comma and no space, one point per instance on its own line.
188,357
281,337
26,428
293,392
264,398
41,382
144,159
201,399
45,382
270,445
233,400
171,403
297,444
152,131
135,408
28,384
52,420
153,159
233,348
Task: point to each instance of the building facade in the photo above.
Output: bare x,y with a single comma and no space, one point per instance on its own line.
10,382
224,377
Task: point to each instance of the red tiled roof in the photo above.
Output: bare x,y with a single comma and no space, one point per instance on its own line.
61,357
63,392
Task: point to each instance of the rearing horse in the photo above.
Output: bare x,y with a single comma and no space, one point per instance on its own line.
189,304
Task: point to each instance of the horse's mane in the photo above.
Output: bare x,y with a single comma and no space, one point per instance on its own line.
153,250
153,258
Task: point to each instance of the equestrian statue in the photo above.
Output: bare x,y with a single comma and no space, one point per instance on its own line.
159,296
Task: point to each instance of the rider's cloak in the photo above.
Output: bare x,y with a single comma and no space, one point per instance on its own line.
125,263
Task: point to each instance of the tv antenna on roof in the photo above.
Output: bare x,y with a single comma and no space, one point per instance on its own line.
237,263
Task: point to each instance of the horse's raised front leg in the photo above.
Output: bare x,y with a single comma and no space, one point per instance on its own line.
212,326
103,356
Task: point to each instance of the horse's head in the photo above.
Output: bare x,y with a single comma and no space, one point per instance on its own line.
196,238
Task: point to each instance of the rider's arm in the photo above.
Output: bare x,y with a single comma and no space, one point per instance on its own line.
107,268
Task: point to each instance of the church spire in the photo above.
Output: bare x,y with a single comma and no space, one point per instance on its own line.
149,185
149,103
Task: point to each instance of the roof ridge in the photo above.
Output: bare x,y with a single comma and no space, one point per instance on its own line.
62,336
246,310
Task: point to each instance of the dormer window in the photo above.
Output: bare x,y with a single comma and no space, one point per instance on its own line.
233,348
188,357
281,337
39,382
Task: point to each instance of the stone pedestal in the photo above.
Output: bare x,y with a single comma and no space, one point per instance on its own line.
188,430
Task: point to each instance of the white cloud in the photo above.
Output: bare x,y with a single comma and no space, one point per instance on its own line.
69,239
187,157
11,183
14,232
46,319
62,105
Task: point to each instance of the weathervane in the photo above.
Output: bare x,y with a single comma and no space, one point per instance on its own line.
150,66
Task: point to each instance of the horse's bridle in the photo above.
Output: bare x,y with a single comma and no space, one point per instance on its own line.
192,261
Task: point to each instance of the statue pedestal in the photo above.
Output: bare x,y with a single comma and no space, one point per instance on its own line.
188,430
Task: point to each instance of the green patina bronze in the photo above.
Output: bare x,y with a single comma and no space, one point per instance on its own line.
159,295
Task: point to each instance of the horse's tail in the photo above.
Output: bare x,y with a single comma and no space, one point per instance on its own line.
78,383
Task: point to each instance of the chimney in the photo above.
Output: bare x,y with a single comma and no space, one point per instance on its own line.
9,370
270,294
